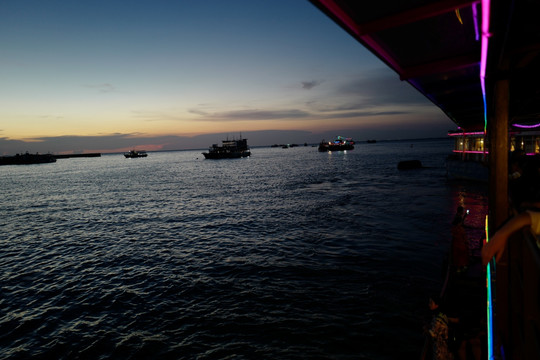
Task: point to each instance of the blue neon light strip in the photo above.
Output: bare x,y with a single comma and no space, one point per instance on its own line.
489,314
489,303
486,7
484,52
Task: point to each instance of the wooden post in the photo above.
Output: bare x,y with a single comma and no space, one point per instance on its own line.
498,198
498,156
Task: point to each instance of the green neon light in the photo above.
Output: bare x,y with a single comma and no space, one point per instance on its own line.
489,302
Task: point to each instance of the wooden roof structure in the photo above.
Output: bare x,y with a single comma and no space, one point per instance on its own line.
436,46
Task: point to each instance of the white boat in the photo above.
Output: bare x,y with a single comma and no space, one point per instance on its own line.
135,154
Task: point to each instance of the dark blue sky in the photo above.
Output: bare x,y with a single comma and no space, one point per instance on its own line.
109,75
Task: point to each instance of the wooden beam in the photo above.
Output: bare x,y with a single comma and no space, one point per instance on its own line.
437,67
413,15
363,32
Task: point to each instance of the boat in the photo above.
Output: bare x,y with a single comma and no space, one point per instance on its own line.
340,143
229,149
135,154
469,158
27,159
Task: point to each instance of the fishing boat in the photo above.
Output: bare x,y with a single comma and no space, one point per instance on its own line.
135,154
229,149
340,143
27,159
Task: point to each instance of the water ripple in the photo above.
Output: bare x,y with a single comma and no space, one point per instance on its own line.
275,256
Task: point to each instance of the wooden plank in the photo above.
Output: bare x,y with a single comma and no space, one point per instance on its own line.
498,198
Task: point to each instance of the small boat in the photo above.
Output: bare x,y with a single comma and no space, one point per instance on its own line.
230,149
340,143
27,159
135,154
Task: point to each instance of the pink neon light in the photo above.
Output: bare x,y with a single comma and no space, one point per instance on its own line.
342,15
475,16
483,152
483,55
351,25
470,152
467,133
485,37
527,126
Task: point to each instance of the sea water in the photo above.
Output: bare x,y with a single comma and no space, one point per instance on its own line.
288,254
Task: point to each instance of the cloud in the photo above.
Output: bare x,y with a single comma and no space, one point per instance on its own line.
118,142
102,88
114,143
250,115
79,144
381,87
359,114
198,112
378,92
309,84
151,115
51,117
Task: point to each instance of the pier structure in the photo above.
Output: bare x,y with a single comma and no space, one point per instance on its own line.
478,61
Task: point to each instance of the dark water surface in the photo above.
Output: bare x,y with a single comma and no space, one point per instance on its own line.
289,254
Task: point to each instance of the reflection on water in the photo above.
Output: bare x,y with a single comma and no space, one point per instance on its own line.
286,254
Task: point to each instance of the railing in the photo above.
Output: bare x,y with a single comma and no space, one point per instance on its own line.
518,299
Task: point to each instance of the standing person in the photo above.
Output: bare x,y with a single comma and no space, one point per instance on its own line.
460,243
439,331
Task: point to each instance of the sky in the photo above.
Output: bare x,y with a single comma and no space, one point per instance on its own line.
111,75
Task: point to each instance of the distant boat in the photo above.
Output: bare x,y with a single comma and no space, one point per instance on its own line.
371,141
135,154
230,149
27,159
340,143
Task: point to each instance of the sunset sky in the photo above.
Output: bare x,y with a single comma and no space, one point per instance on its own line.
162,74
